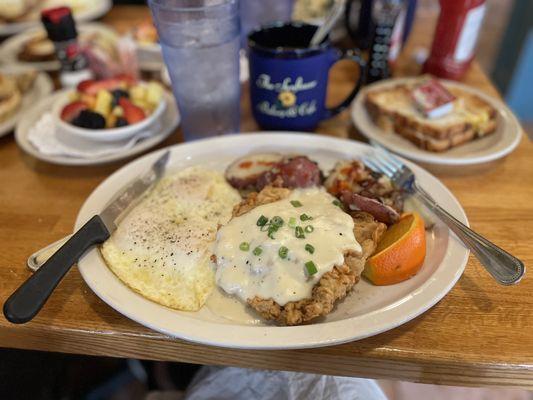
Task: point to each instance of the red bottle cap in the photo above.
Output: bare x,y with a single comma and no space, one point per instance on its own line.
59,24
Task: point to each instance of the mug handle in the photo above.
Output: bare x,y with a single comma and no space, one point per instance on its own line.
355,56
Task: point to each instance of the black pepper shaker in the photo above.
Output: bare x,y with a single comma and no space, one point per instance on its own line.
61,29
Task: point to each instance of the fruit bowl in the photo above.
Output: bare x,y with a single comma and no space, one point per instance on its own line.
79,112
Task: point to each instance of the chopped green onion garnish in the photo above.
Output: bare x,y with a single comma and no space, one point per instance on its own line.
309,228
296,203
257,251
292,222
310,267
271,230
283,251
299,232
338,204
262,220
305,217
309,248
244,246
277,221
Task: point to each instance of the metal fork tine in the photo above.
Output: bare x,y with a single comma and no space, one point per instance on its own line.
378,167
385,165
371,165
388,155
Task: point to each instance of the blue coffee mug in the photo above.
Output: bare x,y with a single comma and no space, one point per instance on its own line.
288,79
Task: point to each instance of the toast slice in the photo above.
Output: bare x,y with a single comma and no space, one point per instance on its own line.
392,109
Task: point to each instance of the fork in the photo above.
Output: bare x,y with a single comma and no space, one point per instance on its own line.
503,267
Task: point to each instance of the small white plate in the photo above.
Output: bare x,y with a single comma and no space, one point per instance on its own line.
169,122
93,9
10,48
41,88
494,146
366,311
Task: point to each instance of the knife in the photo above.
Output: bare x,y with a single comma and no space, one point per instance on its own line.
29,298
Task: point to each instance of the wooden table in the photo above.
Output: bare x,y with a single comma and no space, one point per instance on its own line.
479,334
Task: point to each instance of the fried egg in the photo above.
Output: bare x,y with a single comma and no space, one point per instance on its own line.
161,249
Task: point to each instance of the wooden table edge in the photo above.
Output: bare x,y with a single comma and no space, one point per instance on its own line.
381,362
385,365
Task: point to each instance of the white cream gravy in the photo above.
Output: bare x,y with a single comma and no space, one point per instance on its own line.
268,275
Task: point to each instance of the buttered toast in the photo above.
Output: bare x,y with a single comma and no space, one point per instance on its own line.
393,109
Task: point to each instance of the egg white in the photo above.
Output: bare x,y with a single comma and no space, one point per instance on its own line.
161,249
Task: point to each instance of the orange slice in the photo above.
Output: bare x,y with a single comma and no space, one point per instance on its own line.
400,252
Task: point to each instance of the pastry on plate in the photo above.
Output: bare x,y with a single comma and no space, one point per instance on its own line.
24,80
393,109
38,48
12,88
12,10
10,97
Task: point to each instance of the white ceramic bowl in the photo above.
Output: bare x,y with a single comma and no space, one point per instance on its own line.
104,135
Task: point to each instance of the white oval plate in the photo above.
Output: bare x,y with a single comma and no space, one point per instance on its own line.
169,122
10,48
492,147
41,88
367,311
92,10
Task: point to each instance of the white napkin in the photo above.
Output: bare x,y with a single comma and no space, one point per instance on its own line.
50,141
230,383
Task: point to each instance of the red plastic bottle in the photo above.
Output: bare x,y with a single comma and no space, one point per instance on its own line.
455,38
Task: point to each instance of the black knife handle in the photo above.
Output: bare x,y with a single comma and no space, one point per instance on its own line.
30,297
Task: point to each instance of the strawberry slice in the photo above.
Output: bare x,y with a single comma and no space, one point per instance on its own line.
72,110
132,113
92,86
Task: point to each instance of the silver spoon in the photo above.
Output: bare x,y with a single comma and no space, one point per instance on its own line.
334,13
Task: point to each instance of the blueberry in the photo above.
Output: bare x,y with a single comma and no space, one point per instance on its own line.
121,122
117,94
89,120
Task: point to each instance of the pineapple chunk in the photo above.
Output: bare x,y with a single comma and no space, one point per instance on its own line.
138,93
88,99
118,111
110,120
103,103
154,93
147,107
